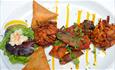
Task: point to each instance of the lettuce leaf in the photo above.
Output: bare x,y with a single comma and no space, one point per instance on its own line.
13,58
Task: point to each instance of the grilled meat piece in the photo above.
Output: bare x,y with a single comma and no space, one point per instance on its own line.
67,58
87,27
104,34
74,37
45,34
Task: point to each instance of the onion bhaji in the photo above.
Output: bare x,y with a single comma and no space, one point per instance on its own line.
104,34
45,34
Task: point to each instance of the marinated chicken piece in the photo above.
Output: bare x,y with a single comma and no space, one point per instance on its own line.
104,34
58,51
45,34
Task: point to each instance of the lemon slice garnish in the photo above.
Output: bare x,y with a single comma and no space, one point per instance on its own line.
15,22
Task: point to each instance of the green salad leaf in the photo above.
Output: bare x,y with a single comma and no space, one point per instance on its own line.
27,32
16,59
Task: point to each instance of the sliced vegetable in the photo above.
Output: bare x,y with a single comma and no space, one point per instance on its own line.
15,22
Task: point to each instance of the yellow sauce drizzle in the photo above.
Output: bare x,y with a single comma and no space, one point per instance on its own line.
56,6
77,66
67,16
88,15
93,17
95,58
79,16
104,52
53,60
86,57
87,50
78,22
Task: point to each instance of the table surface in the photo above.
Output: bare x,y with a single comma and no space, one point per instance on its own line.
7,6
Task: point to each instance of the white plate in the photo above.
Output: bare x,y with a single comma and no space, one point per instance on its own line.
25,13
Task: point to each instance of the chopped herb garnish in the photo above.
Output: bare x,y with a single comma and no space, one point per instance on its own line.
59,35
76,46
68,48
76,29
72,55
82,34
57,43
80,30
60,60
76,61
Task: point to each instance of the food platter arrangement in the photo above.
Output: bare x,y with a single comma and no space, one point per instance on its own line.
58,39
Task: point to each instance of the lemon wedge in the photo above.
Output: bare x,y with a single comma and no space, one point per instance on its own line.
15,22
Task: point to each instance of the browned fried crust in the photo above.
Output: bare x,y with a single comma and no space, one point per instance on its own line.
38,61
104,34
45,34
41,14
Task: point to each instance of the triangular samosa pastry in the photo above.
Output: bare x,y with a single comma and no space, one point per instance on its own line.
41,14
38,61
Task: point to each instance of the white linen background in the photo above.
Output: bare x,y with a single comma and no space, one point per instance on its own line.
7,6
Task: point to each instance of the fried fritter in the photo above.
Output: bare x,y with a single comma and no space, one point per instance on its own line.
104,34
45,34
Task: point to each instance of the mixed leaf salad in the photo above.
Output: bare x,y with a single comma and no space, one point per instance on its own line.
18,43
